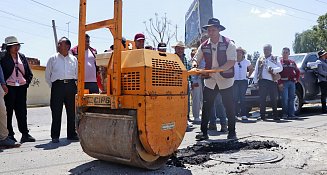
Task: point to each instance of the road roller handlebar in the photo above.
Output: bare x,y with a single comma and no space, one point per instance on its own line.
196,71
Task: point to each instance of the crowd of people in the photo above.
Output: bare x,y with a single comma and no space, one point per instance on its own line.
217,95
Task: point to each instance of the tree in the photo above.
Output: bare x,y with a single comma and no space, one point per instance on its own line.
255,57
313,39
321,30
306,41
159,30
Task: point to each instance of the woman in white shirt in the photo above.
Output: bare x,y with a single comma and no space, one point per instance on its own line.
241,69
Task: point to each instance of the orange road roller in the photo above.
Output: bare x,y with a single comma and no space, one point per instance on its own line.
142,118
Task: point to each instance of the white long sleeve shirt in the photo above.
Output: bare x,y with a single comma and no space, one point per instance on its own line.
60,67
276,67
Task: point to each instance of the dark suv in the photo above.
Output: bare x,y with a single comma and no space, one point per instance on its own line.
307,89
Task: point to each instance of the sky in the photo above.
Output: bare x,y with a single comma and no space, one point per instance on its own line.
250,23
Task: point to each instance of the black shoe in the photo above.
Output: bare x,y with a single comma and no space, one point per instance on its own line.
201,136
12,138
27,138
74,138
294,117
55,140
7,142
223,128
212,127
276,118
232,136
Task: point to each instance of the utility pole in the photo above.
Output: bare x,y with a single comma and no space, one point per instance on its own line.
68,29
55,34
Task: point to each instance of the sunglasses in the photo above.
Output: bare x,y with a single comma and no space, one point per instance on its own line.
239,65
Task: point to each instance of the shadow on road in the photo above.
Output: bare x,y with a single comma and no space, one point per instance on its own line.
102,167
50,145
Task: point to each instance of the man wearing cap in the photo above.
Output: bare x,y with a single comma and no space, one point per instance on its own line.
219,53
139,41
61,76
241,68
90,74
162,47
322,78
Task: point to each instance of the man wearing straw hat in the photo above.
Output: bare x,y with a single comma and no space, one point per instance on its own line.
180,52
219,53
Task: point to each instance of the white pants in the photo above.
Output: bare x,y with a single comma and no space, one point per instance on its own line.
197,97
3,116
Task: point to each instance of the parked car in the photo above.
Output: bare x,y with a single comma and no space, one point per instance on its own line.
307,89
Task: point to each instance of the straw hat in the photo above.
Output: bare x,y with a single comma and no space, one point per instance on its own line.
179,44
241,49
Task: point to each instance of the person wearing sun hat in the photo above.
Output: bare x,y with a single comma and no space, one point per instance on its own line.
179,48
322,78
241,68
18,76
219,52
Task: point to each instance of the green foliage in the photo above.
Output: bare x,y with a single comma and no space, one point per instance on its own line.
253,58
314,39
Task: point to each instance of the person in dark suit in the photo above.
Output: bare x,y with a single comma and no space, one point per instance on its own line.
18,76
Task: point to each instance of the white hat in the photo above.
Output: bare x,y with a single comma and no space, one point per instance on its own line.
241,49
11,40
179,44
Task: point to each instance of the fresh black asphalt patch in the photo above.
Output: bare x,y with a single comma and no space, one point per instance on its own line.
200,152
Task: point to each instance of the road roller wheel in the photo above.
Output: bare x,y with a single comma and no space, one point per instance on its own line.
111,135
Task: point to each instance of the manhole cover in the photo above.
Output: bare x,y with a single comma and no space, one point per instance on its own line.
249,157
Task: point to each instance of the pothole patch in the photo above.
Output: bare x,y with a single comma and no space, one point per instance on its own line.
203,152
249,157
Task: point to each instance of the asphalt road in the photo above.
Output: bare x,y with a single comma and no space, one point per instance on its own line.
302,143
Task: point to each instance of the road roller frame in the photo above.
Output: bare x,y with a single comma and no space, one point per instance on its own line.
142,118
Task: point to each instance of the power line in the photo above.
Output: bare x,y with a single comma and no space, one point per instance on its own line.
45,25
292,8
321,1
44,5
11,14
23,31
54,9
245,2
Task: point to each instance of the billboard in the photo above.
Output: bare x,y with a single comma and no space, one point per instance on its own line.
197,16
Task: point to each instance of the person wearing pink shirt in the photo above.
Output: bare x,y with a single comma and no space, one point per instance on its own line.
90,66
18,76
